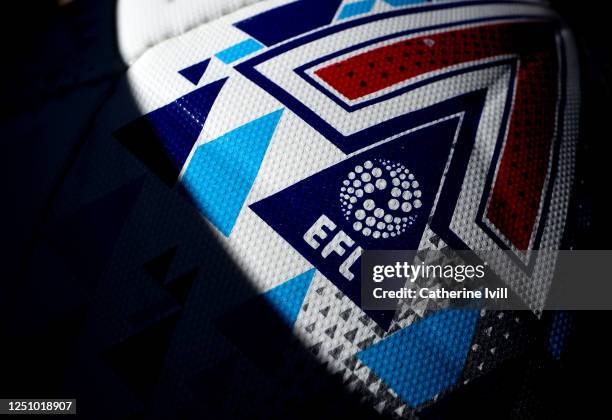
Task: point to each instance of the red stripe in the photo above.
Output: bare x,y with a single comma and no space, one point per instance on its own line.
382,67
517,190
519,184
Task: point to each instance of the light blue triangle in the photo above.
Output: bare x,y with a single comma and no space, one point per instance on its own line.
222,171
425,358
287,298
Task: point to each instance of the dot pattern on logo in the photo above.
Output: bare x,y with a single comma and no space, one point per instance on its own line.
381,198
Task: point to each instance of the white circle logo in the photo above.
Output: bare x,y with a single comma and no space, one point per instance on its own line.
380,198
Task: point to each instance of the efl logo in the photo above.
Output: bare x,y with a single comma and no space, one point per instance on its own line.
377,199
470,111
364,185
458,117
380,198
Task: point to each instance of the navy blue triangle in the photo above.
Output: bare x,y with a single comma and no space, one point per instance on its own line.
162,139
87,238
181,286
139,359
292,211
195,72
159,267
284,22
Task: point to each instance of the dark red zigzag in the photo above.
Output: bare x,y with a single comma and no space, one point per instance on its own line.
518,187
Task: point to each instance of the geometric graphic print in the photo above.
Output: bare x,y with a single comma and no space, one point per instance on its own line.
403,359
393,125
523,167
225,169
518,182
309,214
513,205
